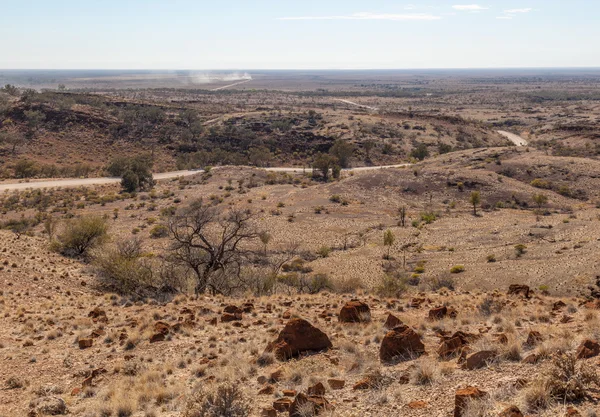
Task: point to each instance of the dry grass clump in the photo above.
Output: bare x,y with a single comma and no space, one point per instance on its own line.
425,372
225,400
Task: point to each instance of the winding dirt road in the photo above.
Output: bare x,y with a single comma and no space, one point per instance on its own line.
82,182
364,106
230,85
516,139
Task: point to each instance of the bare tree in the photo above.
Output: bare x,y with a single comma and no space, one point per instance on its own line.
212,245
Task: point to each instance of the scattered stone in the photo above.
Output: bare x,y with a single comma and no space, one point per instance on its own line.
268,412
463,396
451,347
401,343
438,313
518,289
316,390
479,359
392,322
227,317
85,343
533,338
531,359
282,404
319,404
298,337
416,405
336,383
355,311
588,349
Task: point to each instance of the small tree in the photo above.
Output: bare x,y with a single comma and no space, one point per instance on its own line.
368,145
475,199
265,238
402,214
342,151
540,199
388,240
420,152
135,173
211,245
324,163
81,235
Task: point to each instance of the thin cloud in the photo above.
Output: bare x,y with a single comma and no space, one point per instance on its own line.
367,16
504,17
514,11
469,7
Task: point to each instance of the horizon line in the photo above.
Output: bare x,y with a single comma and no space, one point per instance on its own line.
301,69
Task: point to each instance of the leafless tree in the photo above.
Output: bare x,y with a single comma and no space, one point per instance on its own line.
212,245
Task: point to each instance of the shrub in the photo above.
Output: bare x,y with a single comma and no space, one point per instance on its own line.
520,250
324,251
428,217
489,306
443,281
391,286
227,400
491,258
568,379
158,231
457,269
81,235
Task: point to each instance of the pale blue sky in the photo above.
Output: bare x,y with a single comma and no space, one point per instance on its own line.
285,34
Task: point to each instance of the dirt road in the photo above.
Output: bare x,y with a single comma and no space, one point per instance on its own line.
364,106
516,139
81,182
230,85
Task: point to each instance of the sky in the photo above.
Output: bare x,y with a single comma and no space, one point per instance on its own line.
292,34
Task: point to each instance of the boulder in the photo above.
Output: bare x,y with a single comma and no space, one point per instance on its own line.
228,317
451,347
298,337
479,359
85,343
438,313
282,404
268,412
336,383
518,289
588,349
402,343
463,396
533,338
392,322
318,403
355,311
316,390
231,309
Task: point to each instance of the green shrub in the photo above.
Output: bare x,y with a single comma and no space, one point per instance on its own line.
158,231
457,269
391,287
81,235
324,251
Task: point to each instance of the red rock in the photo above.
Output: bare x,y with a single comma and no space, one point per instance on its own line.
416,405
213,321
75,392
512,411
161,327
355,311
231,309
336,383
97,314
227,317
558,305
462,398
401,343
392,322
451,347
479,359
438,313
298,337
588,349
518,289
533,338
531,359
316,390
268,412
289,392
267,390
282,404
572,412
319,404
85,343
157,337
